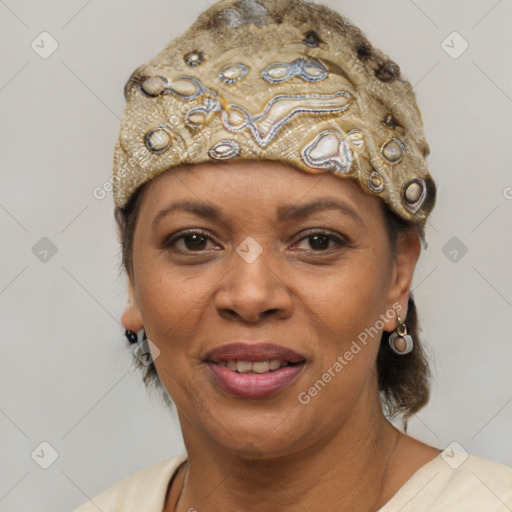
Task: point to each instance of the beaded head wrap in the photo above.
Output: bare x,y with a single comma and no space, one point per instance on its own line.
281,80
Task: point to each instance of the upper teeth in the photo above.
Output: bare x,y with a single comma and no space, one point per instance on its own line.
254,366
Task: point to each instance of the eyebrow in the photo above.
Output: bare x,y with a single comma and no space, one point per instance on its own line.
292,212
199,208
285,213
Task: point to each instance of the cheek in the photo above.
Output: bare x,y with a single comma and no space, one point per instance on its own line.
344,313
166,297
169,305
351,297
173,304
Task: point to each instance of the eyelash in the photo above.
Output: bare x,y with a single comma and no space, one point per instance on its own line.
332,237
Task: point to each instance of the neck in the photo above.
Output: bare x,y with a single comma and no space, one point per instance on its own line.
348,469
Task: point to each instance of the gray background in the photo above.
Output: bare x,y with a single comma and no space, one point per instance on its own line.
66,376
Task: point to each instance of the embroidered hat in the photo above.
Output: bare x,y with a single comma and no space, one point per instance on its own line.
282,80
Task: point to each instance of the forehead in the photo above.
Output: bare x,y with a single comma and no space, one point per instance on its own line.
249,188
262,180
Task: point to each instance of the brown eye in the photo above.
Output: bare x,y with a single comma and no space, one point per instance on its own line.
192,241
321,241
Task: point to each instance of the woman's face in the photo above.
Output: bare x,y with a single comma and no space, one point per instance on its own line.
253,253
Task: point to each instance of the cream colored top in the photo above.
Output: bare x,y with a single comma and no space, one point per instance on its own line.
451,482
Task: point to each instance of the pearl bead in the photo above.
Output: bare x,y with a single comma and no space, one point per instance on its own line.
236,118
194,58
375,182
277,72
196,119
158,140
153,85
184,87
233,73
225,150
393,150
413,192
313,71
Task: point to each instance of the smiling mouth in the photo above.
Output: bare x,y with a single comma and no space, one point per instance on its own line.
256,367
254,370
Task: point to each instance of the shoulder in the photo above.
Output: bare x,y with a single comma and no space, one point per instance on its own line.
145,490
456,481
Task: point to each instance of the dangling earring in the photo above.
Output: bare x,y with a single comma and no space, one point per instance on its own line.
400,342
142,352
131,336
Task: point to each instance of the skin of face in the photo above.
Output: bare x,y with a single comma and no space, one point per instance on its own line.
312,295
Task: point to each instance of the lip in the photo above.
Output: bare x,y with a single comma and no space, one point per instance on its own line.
251,385
253,352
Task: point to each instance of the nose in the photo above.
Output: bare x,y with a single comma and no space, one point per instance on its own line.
253,291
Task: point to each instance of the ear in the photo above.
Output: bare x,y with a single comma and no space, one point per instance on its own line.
131,317
402,270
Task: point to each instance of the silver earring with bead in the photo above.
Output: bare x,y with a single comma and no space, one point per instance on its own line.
400,341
